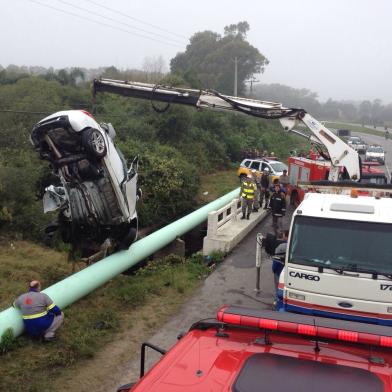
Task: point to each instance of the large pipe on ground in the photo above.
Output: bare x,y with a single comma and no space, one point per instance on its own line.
78,285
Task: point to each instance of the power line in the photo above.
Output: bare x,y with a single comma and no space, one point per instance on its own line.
135,19
117,21
102,23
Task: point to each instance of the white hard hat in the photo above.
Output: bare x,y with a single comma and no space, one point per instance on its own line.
253,170
266,169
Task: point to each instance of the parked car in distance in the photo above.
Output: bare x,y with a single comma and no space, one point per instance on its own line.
274,166
375,153
96,192
249,350
357,144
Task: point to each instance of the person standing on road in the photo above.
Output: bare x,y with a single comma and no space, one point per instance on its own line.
279,257
247,194
264,188
256,200
41,317
284,179
278,207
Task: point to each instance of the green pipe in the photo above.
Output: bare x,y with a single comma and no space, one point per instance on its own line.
85,281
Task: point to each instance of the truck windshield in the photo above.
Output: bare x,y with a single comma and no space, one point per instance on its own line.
341,244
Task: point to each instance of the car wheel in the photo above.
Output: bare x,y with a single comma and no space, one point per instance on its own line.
129,238
94,142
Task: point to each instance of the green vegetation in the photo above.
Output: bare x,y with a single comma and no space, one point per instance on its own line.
217,184
354,128
175,148
208,61
28,365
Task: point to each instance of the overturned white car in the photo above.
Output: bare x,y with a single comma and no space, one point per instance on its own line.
97,193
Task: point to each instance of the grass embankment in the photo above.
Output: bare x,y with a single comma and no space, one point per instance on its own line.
217,184
92,322
100,318
354,128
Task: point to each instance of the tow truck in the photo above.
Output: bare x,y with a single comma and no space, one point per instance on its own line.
341,156
339,258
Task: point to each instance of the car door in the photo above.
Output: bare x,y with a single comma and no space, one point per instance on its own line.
255,165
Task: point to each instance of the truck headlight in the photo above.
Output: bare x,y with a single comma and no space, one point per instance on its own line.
297,296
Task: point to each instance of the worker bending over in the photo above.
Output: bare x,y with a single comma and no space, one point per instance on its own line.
41,317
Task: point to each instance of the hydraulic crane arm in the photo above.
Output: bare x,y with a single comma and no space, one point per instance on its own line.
340,153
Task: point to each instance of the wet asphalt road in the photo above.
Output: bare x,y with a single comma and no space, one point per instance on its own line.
233,282
386,144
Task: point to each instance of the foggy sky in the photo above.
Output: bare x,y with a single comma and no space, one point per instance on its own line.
337,48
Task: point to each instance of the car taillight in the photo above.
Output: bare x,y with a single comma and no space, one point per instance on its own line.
87,113
302,329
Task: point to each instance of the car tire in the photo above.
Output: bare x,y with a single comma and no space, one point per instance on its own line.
94,143
128,240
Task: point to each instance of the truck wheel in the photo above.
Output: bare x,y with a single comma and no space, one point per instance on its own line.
94,142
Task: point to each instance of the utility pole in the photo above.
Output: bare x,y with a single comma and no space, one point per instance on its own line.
235,75
251,81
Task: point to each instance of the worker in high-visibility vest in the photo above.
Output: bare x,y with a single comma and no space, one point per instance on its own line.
247,194
41,317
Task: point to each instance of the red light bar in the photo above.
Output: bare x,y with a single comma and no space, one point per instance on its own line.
302,329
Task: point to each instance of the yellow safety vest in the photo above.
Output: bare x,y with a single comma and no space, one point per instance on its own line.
248,189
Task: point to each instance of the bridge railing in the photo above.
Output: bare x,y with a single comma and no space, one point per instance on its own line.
226,214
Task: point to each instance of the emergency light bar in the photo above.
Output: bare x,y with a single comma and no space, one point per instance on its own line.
346,331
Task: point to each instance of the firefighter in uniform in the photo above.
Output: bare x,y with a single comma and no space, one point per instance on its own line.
256,199
264,188
41,317
247,194
278,207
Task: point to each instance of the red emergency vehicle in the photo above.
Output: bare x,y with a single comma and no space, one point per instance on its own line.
251,350
315,168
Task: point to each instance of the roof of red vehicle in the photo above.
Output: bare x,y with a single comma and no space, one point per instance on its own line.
240,359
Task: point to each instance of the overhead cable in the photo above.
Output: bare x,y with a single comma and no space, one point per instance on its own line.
135,19
103,23
118,21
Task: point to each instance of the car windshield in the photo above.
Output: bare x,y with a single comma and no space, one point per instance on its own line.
375,149
341,244
278,166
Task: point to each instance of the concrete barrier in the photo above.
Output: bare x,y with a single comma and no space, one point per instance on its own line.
225,229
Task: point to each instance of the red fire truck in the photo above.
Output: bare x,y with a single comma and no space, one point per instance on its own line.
249,350
314,168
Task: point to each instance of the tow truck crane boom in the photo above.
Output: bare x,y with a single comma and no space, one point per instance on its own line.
340,154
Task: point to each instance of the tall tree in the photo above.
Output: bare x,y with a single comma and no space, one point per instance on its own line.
209,59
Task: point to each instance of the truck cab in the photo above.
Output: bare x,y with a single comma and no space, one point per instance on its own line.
339,259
